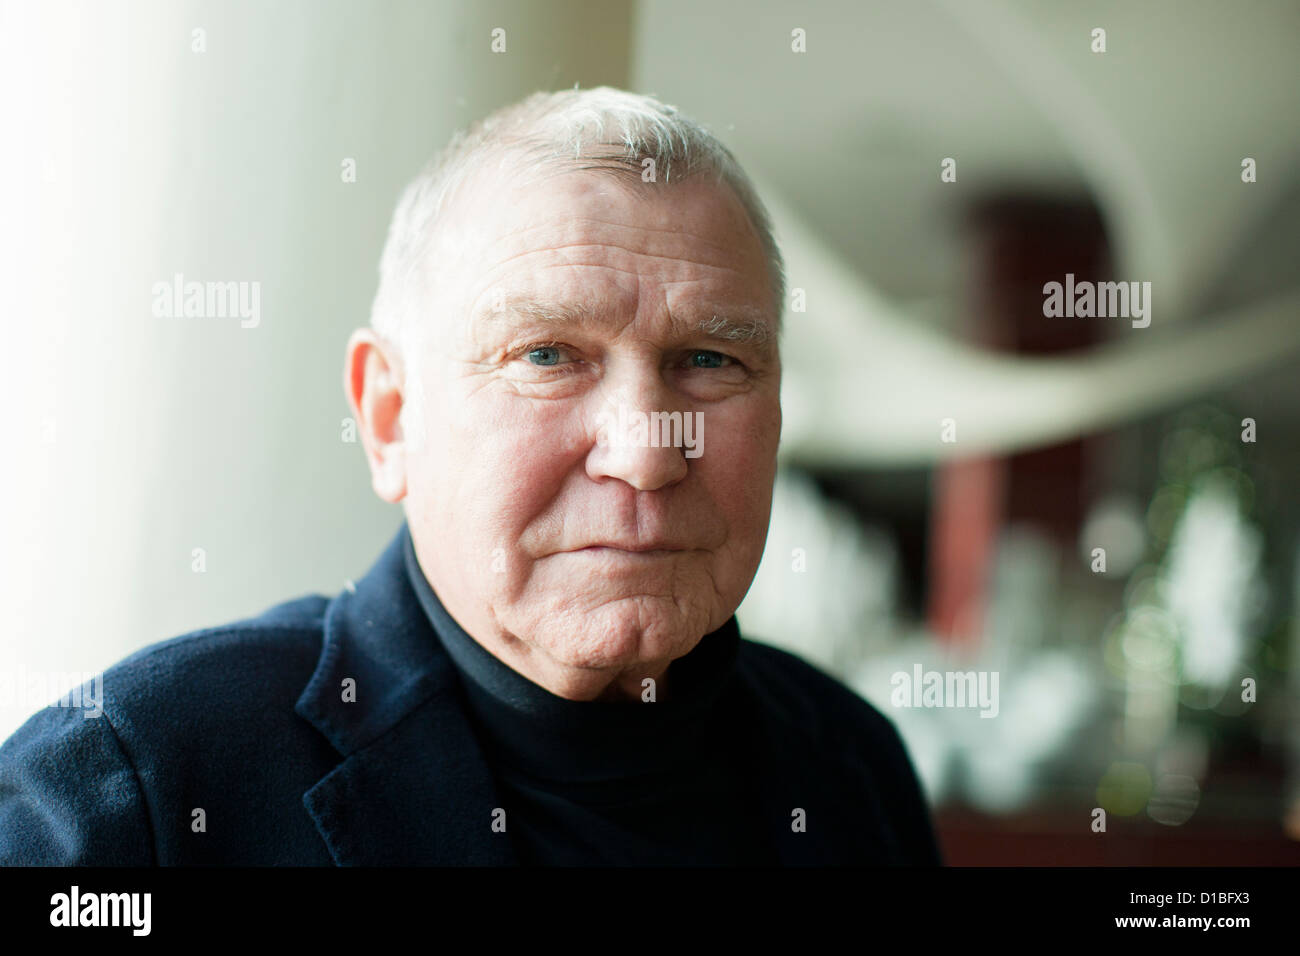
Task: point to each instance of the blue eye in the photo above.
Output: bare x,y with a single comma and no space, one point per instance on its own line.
707,359
545,355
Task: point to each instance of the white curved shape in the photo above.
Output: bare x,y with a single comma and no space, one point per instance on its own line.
1109,162
864,384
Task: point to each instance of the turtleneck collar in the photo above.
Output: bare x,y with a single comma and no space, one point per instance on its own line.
586,742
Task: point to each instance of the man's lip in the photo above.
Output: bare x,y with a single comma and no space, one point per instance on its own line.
633,548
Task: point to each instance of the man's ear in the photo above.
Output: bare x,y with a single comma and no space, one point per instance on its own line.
373,381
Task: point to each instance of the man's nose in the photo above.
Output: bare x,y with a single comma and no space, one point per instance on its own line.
636,436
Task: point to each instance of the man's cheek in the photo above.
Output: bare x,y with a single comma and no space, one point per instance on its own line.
729,452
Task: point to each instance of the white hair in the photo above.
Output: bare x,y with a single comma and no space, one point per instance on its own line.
601,129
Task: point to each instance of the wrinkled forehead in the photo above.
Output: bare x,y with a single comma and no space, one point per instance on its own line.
506,219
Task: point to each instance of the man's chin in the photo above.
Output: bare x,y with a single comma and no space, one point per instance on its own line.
624,634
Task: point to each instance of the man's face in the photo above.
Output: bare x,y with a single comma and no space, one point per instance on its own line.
566,316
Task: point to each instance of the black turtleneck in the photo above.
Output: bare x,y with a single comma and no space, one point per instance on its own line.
601,782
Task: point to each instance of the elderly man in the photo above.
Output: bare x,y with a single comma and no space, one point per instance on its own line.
571,383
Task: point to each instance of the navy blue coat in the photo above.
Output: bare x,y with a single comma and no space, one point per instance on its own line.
247,722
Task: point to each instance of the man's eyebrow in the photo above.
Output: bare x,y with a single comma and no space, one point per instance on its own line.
747,328
746,325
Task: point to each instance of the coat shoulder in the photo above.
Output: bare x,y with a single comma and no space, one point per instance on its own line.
203,720
224,678
299,622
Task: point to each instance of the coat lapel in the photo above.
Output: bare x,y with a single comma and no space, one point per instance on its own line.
413,787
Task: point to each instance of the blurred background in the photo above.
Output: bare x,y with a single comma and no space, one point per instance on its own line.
1103,515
